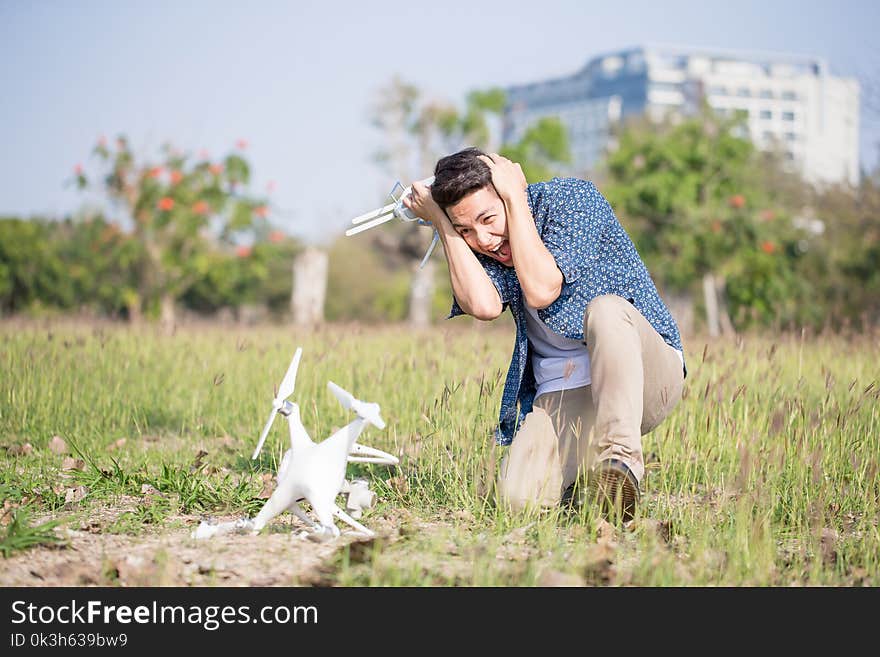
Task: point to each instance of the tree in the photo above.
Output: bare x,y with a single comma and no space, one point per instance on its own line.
30,270
844,257
173,206
696,198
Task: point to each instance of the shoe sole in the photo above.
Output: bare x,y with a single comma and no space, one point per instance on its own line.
616,492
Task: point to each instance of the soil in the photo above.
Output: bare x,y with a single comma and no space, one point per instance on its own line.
281,556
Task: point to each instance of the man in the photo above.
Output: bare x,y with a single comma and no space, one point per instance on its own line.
598,359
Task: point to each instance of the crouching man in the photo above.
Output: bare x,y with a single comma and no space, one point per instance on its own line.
597,360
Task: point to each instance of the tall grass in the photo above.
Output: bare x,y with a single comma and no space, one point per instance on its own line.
765,474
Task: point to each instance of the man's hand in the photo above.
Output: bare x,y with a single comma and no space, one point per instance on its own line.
507,177
423,205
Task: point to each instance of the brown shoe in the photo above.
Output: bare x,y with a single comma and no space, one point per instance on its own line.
615,487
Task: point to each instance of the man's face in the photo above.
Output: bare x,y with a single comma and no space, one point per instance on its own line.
481,220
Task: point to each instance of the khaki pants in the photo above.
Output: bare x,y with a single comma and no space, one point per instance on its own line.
637,380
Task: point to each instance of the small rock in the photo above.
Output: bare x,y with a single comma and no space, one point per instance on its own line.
197,461
604,530
599,562
21,450
6,514
557,578
70,463
58,445
828,542
75,494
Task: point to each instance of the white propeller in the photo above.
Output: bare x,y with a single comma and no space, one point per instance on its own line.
363,454
388,212
285,390
366,411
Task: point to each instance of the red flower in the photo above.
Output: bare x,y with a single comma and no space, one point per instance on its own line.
166,203
261,210
155,172
768,247
216,169
737,201
200,207
243,251
276,236
241,144
176,177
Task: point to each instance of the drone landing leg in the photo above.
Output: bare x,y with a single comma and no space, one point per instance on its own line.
342,515
276,504
297,510
325,517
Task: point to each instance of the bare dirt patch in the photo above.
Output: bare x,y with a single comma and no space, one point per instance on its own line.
171,557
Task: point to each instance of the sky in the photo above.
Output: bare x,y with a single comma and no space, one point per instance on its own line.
297,79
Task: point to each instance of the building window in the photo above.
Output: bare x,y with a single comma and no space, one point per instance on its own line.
788,116
665,86
789,156
717,91
790,136
789,95
766,114
744,92
765,93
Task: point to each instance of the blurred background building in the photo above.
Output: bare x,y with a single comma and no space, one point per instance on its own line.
793,104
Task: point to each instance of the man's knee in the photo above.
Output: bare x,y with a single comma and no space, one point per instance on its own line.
513,496
607,312
530,475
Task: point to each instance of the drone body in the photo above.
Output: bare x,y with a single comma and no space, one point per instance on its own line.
315,472
310,471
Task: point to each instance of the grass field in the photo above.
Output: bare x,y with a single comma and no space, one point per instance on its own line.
765,474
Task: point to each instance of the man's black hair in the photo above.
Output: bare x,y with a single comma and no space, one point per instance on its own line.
458,175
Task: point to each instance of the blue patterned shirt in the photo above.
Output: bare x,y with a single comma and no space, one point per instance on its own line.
596,257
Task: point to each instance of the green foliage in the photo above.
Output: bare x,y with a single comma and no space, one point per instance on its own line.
174,204
152,510
764,474
30,271
542,149
842,261
180,239
363,286
260,275
20,534
695,198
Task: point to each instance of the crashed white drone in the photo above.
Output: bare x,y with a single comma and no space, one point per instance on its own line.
314,472
394,209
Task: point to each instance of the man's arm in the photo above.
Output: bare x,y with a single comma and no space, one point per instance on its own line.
473,289
537,271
